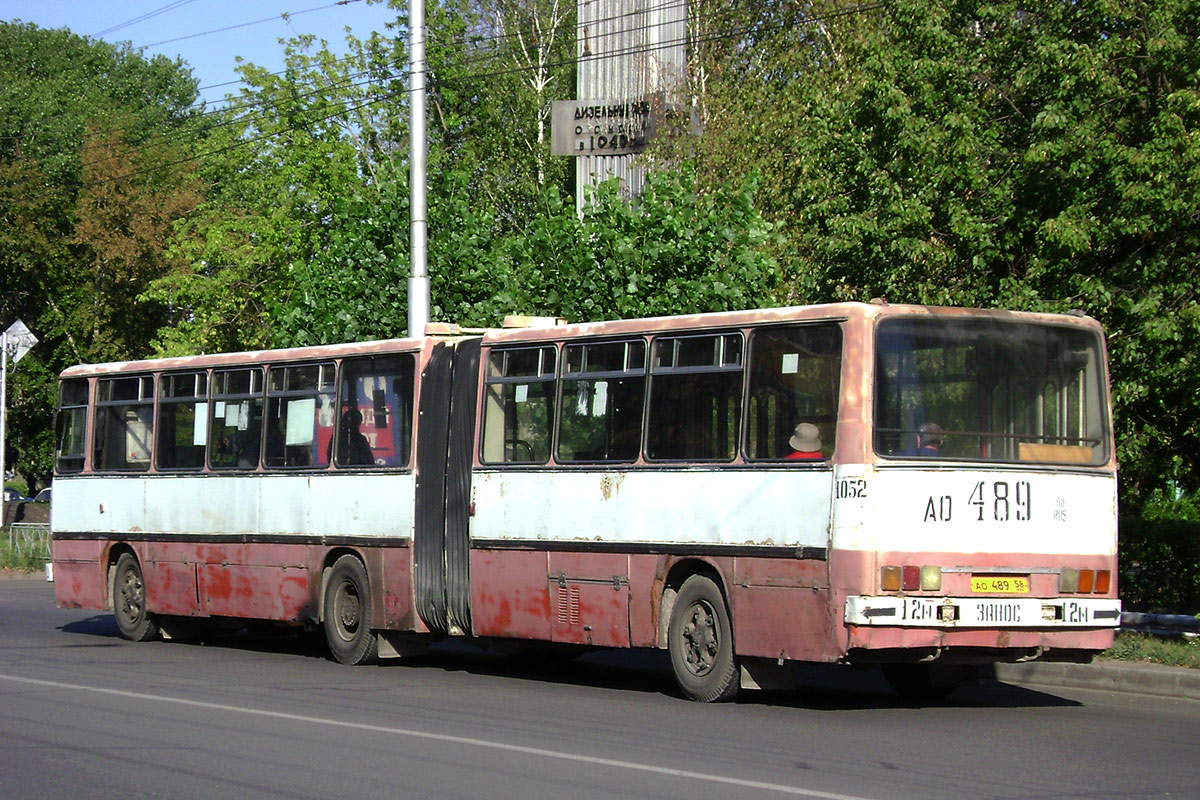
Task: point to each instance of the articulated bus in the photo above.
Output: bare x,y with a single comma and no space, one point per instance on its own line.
926,490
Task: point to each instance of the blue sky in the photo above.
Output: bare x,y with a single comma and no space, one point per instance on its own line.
207,34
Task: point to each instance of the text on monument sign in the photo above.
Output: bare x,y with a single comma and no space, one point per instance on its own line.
582,128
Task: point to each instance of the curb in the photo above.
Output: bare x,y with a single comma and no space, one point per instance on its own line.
1108,676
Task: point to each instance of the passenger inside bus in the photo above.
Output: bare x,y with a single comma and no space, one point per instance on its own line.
353,447
929,439
805,443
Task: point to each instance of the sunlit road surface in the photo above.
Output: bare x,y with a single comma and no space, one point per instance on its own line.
86,714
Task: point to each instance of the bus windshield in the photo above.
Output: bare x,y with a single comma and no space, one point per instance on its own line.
970,389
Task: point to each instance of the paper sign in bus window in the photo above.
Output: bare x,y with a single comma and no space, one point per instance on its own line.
300,416
200,431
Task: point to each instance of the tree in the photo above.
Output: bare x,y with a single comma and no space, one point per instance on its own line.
1038,156
92,141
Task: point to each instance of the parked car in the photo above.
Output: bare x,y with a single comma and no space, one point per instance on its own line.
11,495
43,496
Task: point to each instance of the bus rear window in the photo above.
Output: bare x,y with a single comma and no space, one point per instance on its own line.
986,390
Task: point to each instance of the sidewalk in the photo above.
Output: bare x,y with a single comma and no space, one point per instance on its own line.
1112,676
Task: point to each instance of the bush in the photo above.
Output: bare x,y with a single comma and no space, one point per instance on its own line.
1159,565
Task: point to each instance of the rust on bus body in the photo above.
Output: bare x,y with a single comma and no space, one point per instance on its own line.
510,594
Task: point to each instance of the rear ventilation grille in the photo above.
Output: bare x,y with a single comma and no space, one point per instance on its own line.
568,605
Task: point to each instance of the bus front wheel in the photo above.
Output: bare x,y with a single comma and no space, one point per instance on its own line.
129,601
700,641
347,606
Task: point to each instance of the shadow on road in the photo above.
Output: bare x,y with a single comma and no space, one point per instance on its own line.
820,687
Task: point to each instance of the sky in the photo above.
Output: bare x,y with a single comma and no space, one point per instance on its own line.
208,35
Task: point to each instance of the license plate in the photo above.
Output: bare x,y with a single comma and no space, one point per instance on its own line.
996,584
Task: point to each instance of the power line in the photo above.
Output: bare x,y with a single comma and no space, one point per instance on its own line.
142,18
286,15
234,105
471,78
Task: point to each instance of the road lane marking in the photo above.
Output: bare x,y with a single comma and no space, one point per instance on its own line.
632,766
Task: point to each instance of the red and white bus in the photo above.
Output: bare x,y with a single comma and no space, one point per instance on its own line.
925,489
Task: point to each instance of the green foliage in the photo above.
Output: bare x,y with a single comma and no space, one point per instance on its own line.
1039,156
10,559
1159,565
674,251
91,181
1153,650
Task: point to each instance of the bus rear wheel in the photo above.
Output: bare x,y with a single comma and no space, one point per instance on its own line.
700,641
129,601
346,611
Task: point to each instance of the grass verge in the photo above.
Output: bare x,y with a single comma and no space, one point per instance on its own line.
1153,650
22,562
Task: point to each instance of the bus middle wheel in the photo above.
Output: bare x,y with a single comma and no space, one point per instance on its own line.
346,610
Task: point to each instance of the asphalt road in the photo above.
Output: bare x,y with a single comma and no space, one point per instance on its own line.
86,714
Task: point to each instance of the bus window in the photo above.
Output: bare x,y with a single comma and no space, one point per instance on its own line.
794,377
300,415
601,412
124,415
237,406
182,427
71,434
519,405
998,391
375,420
695,398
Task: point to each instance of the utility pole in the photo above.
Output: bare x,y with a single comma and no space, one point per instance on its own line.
418,280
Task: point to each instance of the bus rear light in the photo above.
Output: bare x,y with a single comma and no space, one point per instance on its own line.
1084,581
910,578
1087,578
1068,581
931,579
889,579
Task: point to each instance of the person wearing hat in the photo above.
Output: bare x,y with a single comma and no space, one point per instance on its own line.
805,443
929,439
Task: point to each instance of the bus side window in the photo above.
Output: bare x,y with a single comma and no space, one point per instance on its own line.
695,398
603,388
71,427
182,426
795,375
518,405
124,415
374,421
299,415
236,430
